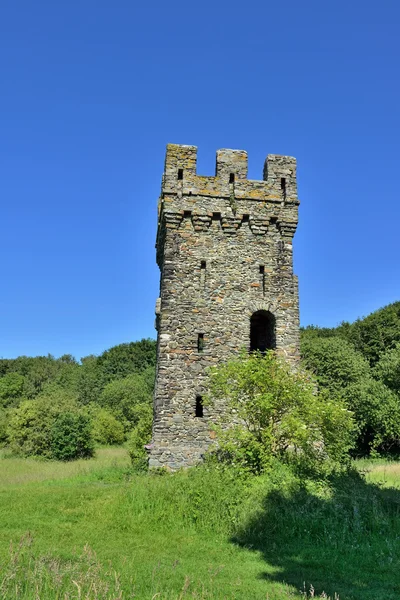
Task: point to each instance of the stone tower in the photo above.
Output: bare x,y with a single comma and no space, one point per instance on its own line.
224,248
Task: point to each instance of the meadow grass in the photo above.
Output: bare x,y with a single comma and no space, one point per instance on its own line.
92,529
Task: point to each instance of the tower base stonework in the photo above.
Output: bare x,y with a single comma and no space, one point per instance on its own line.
224,248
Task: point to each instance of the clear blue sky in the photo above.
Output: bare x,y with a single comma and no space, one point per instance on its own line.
92,91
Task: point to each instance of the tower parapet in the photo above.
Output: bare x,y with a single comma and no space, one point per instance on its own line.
224,248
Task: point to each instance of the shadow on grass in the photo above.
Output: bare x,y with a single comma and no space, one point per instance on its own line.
346,542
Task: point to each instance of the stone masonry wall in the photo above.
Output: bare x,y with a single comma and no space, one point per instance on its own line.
214,234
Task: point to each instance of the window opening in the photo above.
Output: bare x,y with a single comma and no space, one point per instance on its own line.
246,218
180,173
283,186
216,216
273,220
203,265
200,342
262,331
187,214
199,407
231,177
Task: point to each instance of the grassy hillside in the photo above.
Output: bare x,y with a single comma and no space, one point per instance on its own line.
90,529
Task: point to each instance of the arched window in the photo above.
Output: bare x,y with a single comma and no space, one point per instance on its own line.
262,331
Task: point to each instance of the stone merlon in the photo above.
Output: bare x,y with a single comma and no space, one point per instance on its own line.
180,176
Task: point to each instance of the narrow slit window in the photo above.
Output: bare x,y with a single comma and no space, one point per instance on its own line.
200,342
262,273
199,407
231,177
180,173
203,265
283,185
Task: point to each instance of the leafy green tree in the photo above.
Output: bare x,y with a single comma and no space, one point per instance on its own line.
278,415
376,333
4,418
89,381
345,374
377,413
140,436
126,359
29,431
106,429
11,389
335,362
122,396
70,437
387,368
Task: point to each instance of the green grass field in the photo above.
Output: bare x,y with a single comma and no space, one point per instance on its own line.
92,530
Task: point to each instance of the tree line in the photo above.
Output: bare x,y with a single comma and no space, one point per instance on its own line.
60,408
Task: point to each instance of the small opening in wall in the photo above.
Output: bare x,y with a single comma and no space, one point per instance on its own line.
180,173
199,407
273,220
283,185
216,216
203,265
187,214
231,177
262,269
200,342
246,218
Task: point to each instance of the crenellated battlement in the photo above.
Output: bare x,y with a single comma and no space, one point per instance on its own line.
180,176
229,201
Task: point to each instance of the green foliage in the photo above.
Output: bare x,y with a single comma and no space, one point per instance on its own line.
70,437
3,427
106,429
89,381
377,333
140,435
345,374
11,388
377,413
126,359
387,368
372,336
30,428
122,396
278,415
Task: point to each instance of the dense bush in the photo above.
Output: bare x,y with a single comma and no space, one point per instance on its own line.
70,437
346,375
106,429
140,435
278,415
387,368
123,396
30,429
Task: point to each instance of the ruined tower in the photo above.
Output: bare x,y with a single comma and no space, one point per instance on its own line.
224,248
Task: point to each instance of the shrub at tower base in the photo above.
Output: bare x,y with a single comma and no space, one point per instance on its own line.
279,416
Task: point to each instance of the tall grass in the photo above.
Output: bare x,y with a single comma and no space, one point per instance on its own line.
100,532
